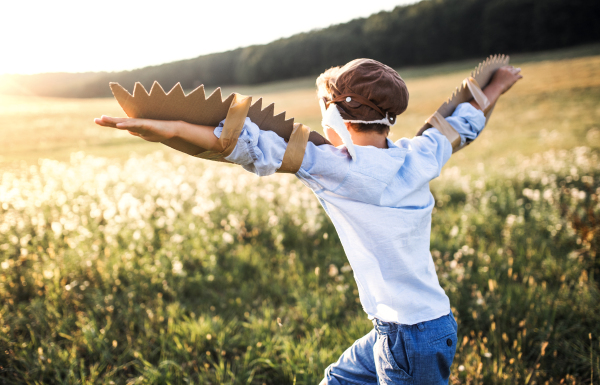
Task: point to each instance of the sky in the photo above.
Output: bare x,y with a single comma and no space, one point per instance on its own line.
79,36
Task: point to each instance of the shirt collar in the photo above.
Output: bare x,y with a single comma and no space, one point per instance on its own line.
390,143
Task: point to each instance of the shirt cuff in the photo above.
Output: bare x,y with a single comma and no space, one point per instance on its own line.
259,152
468,121
243,153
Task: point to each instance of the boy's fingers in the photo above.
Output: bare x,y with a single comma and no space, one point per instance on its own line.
129,127
141,123
140,127
116,119
128,124
100,122
110,119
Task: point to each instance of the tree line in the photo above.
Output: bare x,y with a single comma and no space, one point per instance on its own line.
428,32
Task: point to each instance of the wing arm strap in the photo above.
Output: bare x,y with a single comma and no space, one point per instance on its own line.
232,128
477,93
437,121
234,123
294,152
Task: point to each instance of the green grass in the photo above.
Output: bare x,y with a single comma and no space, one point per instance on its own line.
171,271
162,268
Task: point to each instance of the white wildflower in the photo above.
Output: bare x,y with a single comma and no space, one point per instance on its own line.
333,270
454,231
227,238
177,268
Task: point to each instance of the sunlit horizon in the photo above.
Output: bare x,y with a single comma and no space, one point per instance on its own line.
66,36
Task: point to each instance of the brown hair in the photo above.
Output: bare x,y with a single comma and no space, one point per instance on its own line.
371,127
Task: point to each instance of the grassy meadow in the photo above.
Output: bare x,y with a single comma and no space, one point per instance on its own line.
555,106
125,263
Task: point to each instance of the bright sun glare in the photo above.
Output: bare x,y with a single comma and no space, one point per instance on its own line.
75,36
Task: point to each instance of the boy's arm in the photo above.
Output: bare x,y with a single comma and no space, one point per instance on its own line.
467,120
185,137
261,152
257,151
428,153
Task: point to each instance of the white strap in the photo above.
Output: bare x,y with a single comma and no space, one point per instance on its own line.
332,118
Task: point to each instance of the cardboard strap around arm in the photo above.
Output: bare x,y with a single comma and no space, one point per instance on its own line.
470,89
294,152
441,124
438,121
477,93
234,123
232,128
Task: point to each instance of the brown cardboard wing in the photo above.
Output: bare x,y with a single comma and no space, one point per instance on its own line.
196,108
482,74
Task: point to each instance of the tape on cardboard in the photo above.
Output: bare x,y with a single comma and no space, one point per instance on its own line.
441,124
296,147
234,123
480,98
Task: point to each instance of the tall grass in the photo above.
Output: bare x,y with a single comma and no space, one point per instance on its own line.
173,270
165,269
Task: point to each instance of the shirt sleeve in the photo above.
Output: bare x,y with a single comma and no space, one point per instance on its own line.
425,157
468,121
261,152
429,152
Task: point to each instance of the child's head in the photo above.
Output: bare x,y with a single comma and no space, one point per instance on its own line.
368,94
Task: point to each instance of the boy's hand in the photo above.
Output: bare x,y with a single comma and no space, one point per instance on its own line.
505,77
147,129
185,137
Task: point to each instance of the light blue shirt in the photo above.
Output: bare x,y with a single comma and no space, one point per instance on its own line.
380,205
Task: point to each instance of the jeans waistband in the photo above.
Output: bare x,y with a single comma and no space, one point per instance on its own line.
384,327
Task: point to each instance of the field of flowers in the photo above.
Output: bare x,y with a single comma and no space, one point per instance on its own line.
168,269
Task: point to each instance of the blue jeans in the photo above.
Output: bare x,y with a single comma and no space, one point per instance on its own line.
398,354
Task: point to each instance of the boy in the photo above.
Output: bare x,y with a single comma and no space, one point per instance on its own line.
376,193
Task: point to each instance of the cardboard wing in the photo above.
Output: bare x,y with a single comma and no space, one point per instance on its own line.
196,108
482,75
